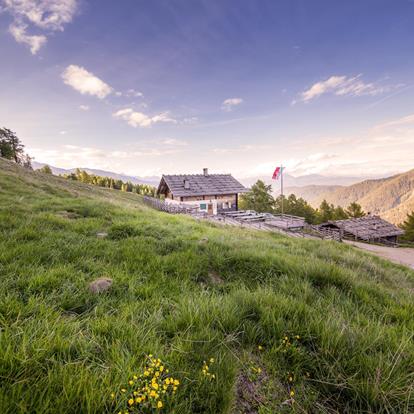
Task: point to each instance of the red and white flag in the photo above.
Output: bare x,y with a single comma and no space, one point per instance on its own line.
276,173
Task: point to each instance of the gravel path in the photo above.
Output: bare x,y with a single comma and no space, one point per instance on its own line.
400,255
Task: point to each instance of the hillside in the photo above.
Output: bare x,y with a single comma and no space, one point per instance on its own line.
392,198
312,193
102,173
284,325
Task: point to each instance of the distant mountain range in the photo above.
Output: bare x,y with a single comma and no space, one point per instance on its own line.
304,180
152,180
392,198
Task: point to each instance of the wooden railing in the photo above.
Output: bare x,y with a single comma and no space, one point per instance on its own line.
169,207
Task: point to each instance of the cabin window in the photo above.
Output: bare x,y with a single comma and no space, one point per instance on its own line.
203,206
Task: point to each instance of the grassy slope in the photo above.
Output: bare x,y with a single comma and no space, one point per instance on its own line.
64,350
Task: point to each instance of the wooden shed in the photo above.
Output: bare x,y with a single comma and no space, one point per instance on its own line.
369,228
212,193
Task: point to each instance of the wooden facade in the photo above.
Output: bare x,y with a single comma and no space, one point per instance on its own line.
212,193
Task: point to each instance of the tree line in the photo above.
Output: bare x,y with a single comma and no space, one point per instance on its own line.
260,199
109,182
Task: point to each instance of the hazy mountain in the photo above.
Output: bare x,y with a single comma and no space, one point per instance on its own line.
312,193
135,180
304,180
392,197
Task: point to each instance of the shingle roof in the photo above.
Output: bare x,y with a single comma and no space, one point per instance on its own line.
200,184
368,227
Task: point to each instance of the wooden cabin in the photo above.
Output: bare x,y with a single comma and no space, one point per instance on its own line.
369,228
211,193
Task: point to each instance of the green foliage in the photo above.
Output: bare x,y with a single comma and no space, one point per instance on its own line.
45,170
354,210
11,147
65,350
259,198
108,182
296,207
408,227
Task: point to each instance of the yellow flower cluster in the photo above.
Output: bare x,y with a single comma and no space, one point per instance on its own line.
206,370
149,389
289,340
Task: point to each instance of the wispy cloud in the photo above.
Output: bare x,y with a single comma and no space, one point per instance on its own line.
85,82
405,120
47,15
84,107
174,142
230,103
344,86
139,119
35,42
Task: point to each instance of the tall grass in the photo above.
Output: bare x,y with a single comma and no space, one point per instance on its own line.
65,350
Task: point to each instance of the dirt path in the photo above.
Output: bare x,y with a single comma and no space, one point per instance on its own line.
400,255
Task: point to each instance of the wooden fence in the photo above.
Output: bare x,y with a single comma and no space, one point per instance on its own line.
169,207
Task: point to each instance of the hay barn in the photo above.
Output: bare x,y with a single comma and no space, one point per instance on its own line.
368,228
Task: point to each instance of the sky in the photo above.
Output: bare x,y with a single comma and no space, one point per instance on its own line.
171,86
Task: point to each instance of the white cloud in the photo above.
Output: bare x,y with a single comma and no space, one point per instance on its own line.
50,15
190,121
133,93
85,82
174,142
63,132
343,85
230,103
139,119
84,107
35,42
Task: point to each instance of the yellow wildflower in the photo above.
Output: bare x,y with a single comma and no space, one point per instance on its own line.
260,348
112,395
131,382
292,393
130,401
211,360
123,390
146,373
138,400
155,386
159,404
176,382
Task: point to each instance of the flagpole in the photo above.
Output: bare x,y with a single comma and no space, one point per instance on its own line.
281,185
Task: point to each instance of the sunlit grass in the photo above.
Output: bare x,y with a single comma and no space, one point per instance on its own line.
348,316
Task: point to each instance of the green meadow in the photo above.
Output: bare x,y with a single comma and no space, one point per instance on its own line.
291,326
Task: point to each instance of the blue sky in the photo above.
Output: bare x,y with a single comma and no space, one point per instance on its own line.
151,87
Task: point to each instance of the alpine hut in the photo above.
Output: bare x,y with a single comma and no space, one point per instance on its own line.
211,193
370,228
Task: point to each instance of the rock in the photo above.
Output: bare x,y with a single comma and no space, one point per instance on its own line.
215,278
100,285
101,235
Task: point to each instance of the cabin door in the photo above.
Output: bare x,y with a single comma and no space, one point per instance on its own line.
210,209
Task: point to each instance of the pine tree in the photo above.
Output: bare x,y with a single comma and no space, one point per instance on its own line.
45,170
259,198
354,210
326,212
408,227
10,146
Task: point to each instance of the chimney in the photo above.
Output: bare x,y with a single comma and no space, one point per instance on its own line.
186,184
205,172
